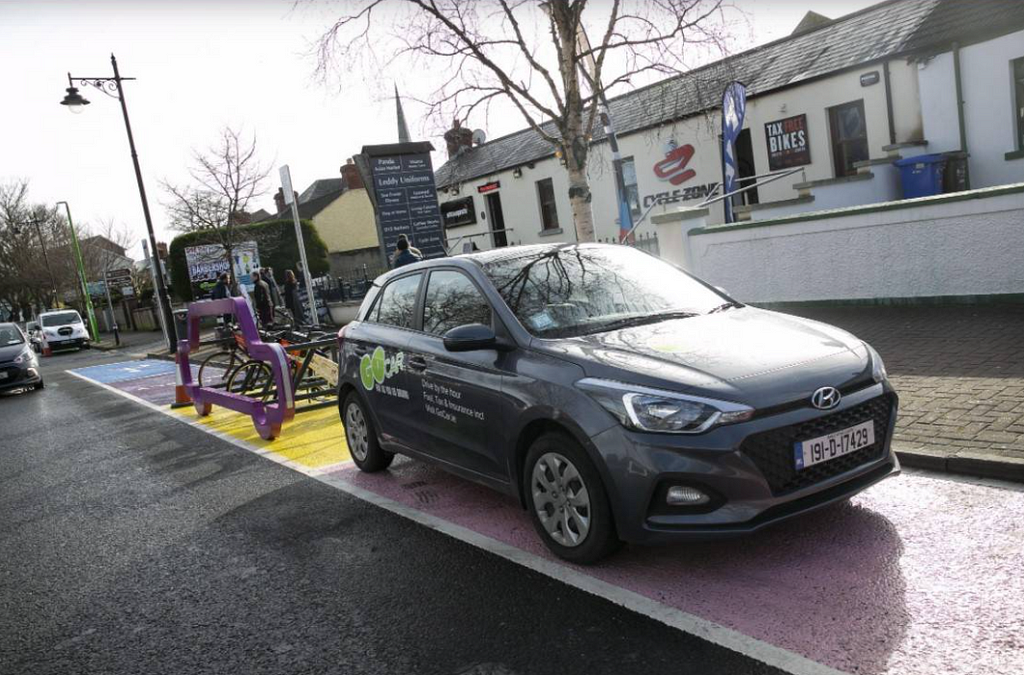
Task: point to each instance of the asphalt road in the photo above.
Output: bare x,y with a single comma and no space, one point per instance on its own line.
131,543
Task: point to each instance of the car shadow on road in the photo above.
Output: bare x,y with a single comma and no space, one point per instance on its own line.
827,585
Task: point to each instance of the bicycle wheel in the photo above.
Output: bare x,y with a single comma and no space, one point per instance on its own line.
254,379
215,368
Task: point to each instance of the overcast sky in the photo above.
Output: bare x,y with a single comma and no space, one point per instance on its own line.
201,65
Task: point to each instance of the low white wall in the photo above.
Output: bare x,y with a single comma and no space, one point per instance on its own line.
969,243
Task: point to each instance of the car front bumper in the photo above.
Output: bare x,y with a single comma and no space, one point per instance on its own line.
67,342
19,376
747,470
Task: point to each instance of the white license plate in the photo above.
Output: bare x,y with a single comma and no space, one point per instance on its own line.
3,374
836,444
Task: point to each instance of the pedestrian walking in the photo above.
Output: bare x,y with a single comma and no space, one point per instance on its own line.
292,301
267,274
405,254
222,290
261,298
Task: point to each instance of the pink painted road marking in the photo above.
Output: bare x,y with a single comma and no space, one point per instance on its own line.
919,575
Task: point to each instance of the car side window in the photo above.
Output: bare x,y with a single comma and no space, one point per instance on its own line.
397,305
453,300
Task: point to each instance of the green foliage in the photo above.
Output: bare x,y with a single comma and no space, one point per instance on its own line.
278,248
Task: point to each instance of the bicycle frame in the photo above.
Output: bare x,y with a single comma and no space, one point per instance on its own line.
267,418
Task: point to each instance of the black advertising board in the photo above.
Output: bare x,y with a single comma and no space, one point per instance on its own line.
458,212
788,143
405,197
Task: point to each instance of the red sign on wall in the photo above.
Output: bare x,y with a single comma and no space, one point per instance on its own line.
673,167
489,187
788,143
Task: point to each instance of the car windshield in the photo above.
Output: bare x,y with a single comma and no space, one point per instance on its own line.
577,290
10,335
60,319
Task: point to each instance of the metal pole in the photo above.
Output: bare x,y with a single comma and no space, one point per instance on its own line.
152,271
311,301
110,306
81,275
161,288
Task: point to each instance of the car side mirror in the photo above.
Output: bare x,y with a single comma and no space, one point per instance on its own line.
470,337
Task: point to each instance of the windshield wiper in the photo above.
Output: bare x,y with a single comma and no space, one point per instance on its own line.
732,304
632,321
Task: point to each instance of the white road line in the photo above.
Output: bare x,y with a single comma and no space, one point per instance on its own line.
766,653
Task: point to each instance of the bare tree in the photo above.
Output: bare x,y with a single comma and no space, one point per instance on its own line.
534,55
226,178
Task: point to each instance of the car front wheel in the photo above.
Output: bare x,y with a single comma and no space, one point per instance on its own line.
362,438
567,500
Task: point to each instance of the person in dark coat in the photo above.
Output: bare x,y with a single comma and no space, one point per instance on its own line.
405,254
261,298
291,297
267,274
222,290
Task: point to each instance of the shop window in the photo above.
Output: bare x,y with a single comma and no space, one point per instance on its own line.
1018,88
632,190
849,132
546,196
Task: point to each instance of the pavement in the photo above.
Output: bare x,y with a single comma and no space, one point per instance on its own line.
959,372
156,541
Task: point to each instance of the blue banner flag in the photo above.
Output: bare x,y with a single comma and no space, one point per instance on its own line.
734,105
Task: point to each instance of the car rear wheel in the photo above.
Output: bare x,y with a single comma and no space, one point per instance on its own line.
567,500
362,438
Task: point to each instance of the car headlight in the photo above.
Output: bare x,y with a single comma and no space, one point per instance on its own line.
659,411
26,356
878,372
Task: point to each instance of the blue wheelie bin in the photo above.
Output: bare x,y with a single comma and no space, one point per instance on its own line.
921,176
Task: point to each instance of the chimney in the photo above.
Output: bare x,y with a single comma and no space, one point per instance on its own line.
279,200
350,175
458,138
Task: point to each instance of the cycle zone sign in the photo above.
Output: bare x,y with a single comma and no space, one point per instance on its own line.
376,369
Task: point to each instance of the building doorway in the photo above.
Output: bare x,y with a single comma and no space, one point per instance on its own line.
745,164
497,218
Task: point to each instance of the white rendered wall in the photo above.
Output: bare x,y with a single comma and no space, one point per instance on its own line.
986,79
934,246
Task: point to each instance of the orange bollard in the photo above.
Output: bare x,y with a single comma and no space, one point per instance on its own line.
181,397
47,350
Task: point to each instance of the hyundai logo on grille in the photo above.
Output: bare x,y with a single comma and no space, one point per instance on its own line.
826,398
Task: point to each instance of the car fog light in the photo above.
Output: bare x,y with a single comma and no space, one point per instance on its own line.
32,372
681,495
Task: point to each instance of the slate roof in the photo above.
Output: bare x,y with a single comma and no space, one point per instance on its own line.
321,187
877,32
310,207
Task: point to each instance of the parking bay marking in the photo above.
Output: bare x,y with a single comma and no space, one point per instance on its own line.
781,588
717,634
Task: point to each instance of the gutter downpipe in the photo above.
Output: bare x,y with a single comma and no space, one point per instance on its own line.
888,103
960,114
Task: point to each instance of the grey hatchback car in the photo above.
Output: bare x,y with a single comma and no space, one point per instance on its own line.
614,395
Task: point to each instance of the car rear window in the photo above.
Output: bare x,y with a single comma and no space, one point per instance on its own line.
453,300
397,305
60,319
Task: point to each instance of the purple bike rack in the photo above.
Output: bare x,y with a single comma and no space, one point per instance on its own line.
267,418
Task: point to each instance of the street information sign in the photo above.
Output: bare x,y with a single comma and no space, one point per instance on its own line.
407,202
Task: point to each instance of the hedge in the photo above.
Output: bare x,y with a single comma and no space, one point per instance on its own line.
278,248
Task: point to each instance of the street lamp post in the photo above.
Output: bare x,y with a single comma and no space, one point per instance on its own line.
81,275
111,86
46,257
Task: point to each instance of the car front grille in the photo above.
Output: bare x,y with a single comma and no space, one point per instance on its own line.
13,374
772,451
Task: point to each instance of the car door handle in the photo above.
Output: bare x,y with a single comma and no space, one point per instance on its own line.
417,363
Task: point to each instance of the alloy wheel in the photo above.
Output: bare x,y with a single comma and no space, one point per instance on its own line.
355,432
561,499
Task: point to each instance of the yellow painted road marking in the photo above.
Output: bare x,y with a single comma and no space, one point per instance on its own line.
313,439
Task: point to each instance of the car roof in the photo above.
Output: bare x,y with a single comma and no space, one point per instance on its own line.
482,258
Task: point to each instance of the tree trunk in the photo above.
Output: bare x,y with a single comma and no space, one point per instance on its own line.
579,200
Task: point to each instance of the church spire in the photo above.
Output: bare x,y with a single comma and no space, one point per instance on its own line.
403,128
